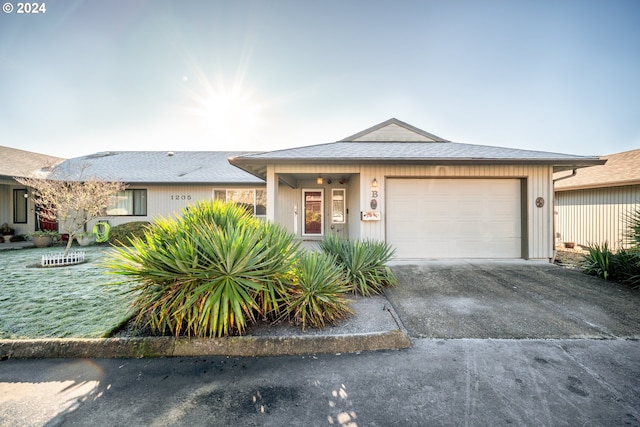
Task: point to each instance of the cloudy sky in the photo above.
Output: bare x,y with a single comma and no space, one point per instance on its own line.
89,76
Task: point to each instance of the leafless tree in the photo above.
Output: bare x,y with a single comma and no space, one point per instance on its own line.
72,200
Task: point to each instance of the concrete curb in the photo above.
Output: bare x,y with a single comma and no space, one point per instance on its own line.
247,346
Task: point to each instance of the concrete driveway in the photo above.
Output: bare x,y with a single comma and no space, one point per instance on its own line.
510,299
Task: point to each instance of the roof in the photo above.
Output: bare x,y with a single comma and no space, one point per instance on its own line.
161,167
21,163
395,141
620,169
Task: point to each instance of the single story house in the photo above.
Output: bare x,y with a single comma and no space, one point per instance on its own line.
16,208
426,196
592,205
163,183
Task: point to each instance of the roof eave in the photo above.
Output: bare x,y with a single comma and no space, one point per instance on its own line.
599,185
257,167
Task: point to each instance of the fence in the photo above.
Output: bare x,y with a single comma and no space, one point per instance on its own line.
57,260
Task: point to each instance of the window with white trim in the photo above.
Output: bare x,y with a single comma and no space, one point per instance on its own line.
129,203
254,200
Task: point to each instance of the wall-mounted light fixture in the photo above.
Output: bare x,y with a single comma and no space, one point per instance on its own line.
319,180
374,183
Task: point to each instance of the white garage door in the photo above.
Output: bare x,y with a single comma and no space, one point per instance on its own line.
454,218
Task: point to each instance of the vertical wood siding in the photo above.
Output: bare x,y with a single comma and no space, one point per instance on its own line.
595,216
537,181
6,210
538,234
167,201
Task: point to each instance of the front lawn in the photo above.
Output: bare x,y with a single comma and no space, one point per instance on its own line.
60,302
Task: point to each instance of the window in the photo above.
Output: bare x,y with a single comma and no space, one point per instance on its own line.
338,207
129,203
20,206
253,200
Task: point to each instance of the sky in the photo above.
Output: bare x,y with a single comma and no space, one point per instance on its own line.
89,76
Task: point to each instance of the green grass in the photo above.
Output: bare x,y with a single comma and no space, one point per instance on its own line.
60,302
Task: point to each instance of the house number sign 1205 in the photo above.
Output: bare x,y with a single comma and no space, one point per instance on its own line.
181,197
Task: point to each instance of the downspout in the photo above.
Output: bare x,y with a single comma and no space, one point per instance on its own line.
574,173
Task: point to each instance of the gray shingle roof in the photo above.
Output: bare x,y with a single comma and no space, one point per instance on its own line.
21,163
394,141
179,167
363,151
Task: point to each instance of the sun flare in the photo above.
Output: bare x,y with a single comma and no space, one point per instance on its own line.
227,111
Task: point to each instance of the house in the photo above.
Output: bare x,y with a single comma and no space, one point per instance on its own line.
426,196
161,183
16,209
592,204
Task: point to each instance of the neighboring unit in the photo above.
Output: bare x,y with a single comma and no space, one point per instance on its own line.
592,206
162,183
16,208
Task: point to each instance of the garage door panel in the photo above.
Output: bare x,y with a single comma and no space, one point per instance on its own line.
454,218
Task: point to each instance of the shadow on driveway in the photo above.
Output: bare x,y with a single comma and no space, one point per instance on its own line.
510,299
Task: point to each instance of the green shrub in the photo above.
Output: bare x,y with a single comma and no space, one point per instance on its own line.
626,266
622,266
208,273
632,222
316,294
598,261
363,263
120,235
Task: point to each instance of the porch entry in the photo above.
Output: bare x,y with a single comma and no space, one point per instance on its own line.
315,211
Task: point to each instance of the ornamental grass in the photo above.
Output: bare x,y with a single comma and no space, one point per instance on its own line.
208,273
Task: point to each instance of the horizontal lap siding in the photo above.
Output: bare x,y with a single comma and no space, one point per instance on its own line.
595,215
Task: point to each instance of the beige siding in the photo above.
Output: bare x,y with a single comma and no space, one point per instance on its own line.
393,132
167,201
6,210
595,215
538,230
537,222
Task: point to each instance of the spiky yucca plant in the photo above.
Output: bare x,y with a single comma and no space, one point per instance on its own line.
363,263
316,295
207,273
598,261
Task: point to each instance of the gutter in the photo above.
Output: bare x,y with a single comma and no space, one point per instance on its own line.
574,173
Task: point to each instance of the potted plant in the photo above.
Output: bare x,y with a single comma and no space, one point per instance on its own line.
86,239
43,238
7,232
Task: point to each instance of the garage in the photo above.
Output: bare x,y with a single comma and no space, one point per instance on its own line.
454,218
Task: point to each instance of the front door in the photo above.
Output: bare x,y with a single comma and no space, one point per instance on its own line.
313,212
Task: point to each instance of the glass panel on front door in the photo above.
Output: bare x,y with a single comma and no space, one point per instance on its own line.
312,213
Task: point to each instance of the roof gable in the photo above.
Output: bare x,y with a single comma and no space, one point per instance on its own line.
620,169
393,130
